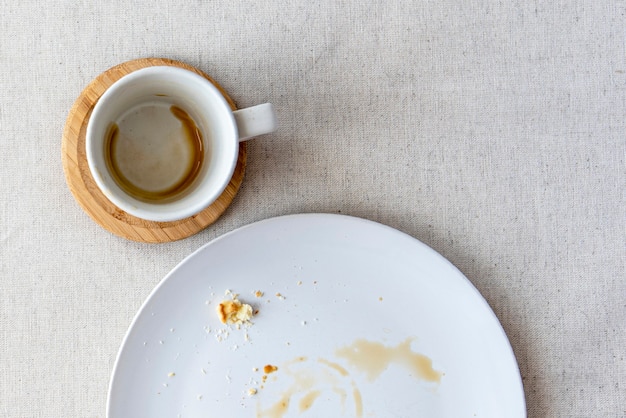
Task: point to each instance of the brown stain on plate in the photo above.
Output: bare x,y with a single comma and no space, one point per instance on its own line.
311,382
307,400
373,358
308,384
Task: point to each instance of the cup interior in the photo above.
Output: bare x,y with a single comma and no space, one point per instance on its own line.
202,101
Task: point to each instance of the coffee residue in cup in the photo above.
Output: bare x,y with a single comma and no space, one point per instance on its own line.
154,152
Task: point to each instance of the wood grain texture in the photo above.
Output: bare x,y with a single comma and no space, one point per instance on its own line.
91,199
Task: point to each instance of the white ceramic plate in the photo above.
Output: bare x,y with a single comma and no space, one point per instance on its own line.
365,314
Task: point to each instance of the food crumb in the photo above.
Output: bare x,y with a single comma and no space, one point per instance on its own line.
203,371
234,311
269,368
299,282
171,374
281,297
258,294
255,369
252,391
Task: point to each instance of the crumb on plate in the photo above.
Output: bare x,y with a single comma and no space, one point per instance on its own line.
234,312
269,369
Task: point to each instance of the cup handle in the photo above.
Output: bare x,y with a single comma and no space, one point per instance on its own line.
254,121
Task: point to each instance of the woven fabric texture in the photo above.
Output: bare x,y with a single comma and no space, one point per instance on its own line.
495,132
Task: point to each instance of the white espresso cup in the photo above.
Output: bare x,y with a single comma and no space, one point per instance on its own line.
162,142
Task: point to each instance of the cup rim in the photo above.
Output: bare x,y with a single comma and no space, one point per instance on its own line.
194,202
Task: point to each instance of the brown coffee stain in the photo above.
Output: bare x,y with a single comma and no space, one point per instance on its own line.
334,366
358,400
308,384
373,358
279,409
307,400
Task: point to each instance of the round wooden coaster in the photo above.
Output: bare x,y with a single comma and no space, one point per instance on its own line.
91,199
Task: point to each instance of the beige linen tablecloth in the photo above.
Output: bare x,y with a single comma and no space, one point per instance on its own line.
493,131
